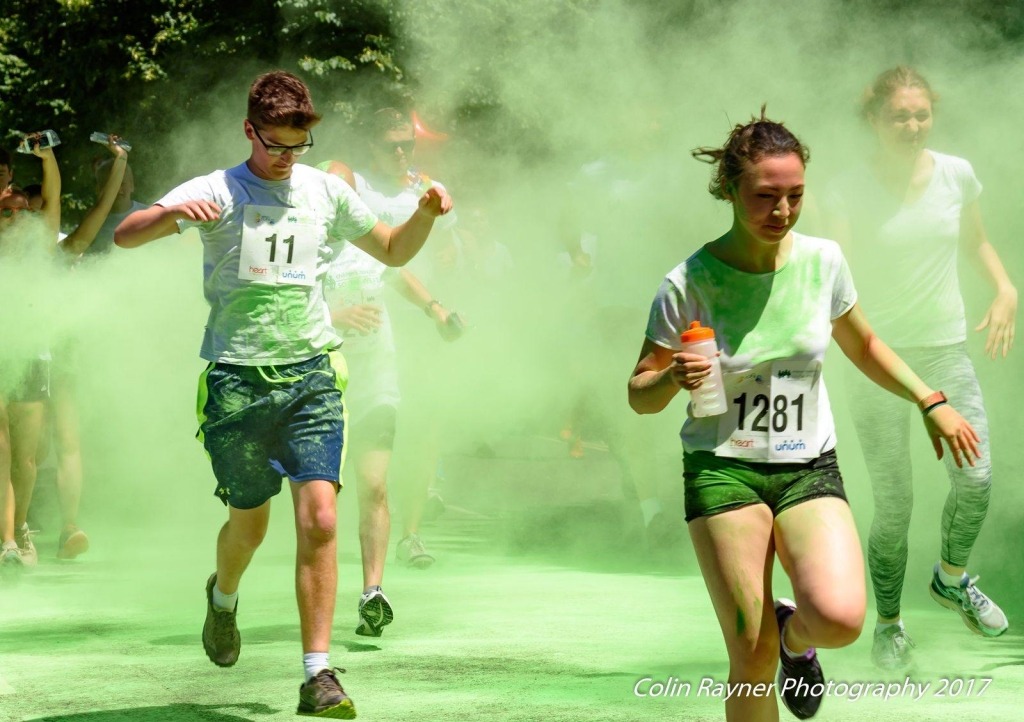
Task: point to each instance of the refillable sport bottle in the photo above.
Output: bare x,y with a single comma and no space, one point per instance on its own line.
709,398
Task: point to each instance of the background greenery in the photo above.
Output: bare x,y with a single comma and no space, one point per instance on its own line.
141,67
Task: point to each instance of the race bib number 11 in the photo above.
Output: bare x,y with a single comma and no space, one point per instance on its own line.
773,413
280,246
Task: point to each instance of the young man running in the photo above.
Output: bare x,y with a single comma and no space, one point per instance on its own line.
270,402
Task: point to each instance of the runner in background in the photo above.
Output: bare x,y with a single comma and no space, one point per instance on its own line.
25,236
390,187
917,209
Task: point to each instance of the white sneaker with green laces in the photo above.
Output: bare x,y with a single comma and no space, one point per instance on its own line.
980,614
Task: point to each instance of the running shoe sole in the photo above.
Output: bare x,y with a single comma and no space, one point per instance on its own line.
343,710
421,561
374,616
77,543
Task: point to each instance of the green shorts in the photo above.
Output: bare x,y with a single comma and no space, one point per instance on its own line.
716,484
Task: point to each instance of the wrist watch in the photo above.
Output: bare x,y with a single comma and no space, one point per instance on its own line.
931,401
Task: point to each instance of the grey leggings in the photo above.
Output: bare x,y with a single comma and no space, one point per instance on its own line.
883,423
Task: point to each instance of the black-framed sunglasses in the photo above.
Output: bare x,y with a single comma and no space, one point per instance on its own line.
277,150
407,146
11,212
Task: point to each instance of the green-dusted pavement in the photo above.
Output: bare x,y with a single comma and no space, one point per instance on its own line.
483,635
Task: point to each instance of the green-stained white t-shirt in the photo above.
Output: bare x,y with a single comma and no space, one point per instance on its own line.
758,319
265,259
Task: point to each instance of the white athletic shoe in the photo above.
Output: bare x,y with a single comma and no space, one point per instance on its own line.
374,613
891,649
980,614
412,552
11,563
28,550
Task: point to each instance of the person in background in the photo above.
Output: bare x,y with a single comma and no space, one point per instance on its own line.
115,185
904,215
6,170
93,235
24,233
355,290
356,284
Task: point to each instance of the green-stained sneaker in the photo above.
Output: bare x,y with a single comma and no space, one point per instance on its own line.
221,639
323,696
890,650
980,614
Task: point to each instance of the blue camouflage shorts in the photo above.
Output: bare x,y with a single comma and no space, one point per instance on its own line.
262,423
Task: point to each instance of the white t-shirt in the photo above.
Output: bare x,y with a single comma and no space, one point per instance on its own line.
905,255
395,205
265,259
356,278
758,319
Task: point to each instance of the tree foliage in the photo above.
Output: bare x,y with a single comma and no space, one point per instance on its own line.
141,67
138,67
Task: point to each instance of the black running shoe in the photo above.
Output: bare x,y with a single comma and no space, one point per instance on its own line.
322,696
221,639
801,683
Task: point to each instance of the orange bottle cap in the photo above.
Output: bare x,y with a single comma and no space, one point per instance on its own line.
696,332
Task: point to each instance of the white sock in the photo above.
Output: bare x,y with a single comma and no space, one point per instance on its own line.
370,589
948,579
882,626
226,602
314,662
650,509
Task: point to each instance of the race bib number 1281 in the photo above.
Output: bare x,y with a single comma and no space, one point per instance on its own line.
772,413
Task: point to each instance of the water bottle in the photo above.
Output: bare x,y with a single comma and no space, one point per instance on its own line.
104,139
42,139
709,398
